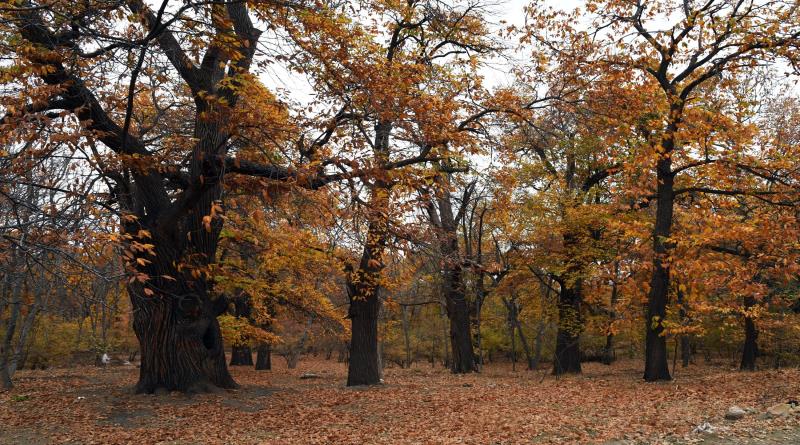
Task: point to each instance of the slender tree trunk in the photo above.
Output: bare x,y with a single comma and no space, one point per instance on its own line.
480,289
537,345
445,223
406,337
525,348
79,334
15,281
381,358
294,351
513,318
750,350
513,339
608,350
609,355
686,350
567,358
18,360
433,351
778,362
477,321
445,339
656,360
292,357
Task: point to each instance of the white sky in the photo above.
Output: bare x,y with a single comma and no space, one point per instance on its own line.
496,72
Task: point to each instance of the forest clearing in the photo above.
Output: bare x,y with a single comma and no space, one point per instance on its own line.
421,405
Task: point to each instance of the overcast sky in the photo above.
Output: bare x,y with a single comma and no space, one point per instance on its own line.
495,72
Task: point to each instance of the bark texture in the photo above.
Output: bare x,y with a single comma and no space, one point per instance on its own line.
363,287
656,361
264,357
180,344
750,350
445,224
567,359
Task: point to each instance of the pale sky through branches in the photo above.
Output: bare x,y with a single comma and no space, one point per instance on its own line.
496,72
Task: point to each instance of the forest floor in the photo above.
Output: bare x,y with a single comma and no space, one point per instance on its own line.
605,405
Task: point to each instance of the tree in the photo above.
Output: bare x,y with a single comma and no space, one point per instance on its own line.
445,223
280,255
406,100
563,161
704,48
50,233
165,180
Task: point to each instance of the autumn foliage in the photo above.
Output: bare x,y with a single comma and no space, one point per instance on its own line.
400,184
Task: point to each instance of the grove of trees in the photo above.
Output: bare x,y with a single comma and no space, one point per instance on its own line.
631,186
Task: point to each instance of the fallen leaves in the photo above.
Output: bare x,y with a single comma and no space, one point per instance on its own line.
417,406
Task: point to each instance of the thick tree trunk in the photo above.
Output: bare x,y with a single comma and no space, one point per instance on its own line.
14,281
264,357
241,356
364,365
656,360
609,356
567,358
363,286
292,357
180,343
686,351
173,317
463,359
750,351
